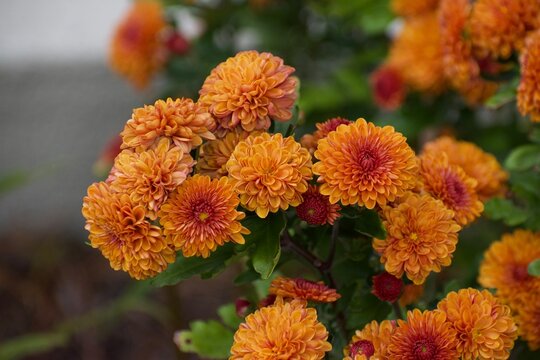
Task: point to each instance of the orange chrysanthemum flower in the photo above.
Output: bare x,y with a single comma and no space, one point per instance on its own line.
485,328
413,8
135,50
285,330
505,267
148,176
316,208
249,90
215,154
421,237
365,164
450,184
310,141
269,172
387,87
424,336
181,120
371,342
528,93
411,294
499,27
201,215
528,319
416,54
481,166
303,289
119,229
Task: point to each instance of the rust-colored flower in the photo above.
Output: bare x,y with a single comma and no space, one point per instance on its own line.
201,215
505,267
303,289
316,209
424,336
499,27
528,319
421,237
215,154
387,87
269,172
481,166
249,90
411,294
119,229
371,342
181,120
413,8
285,330
416,54
136,51
310,141
450,184
528,93
386,287
485,328
148,176
365,164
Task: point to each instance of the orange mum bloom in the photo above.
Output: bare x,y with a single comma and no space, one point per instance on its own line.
481,166
528,319
421,237
371,342
269,172
201,215
181,120
249,90
411,294
119,229
316,208
424,336
285,330
135,50
498,27
416,54
323,129
413,8
528,93
485,328
450,184
387,87
365,164
215,154
148,176
303,289
505,267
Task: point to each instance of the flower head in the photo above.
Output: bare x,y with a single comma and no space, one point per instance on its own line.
371,342
269,172
316,209
148,176
249,90
485,328
450,184
424,336
528,94
413,8
303,289
528,319
481,166
421,237
364,164
310,141
411,294
119,229
387,287
135,50
387,87
201,215
181,120
285,330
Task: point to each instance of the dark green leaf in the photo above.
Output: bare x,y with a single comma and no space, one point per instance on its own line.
358,248
209,340
369,224
505,94
365,307
247,276
534,136
534,267
227,314
503,209
523,158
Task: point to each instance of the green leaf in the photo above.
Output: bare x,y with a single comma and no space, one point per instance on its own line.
227,314
523,158
534,136
503,209
265,234
357,249
209,339
184,268
366,222
534,267
247,276
365,307
505,94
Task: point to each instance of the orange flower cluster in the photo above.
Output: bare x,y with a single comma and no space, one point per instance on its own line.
303,289
528,94
504,268
371,342
413,8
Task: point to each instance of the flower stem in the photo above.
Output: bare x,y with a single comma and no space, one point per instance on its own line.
397,310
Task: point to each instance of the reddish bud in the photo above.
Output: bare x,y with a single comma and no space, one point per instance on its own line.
267,301
388,88
387,287
177,44
242,306
362,347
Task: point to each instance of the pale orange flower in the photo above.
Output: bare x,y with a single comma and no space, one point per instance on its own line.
528,93
285,330
303,289
136,50
365,164
371,342
316,208
181,120
249,90
201,215
119,228
413,8
421,237
269,172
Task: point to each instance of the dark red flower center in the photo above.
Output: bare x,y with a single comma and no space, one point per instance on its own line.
424,349
314,209
362,347
387,287
388,88
456,190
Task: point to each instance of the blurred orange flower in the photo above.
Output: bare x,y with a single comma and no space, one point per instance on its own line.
413,8
528,93
528,319
411,294
303,289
